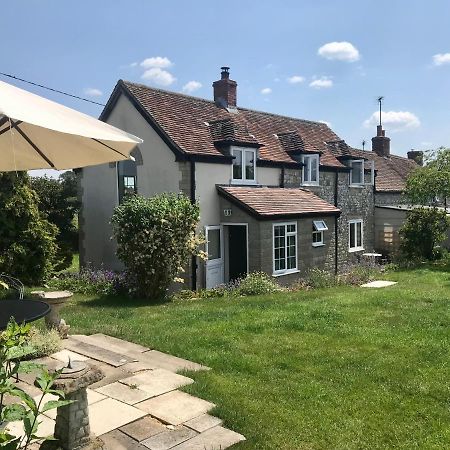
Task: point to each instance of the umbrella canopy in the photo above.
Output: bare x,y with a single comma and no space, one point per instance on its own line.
36,133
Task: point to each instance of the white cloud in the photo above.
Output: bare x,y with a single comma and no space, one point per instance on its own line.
133,64
161,62
321,83
441,59
93,92
328,124
295,79
266,91
192,86
159,76
341,51
394,120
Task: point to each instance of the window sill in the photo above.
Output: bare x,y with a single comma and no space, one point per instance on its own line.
287,272
358,186
356,249
310,183
246,182
318,244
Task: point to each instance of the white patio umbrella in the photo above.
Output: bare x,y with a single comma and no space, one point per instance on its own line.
36,133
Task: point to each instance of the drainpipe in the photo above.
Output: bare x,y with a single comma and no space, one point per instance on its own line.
192,191
336,229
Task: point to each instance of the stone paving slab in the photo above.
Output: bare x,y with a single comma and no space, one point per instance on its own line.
203,423
169,362
175,407
46,428
143,428
217,438
119,343
157,382
116,440
96,352
124,393
112,374
109,414
169,438
378,284
64,356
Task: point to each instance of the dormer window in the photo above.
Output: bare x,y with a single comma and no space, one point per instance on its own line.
244,165
310,173
357,173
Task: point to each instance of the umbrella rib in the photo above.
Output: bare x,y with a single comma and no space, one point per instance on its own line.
3,120
13,124
33,145
113,149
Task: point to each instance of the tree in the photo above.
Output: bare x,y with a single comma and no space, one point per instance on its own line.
155,237
27,240
58,203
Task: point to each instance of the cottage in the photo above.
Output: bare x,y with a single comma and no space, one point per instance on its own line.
277,194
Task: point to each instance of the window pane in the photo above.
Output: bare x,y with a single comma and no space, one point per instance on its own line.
249,165
356,174
317,237
314,163
291,228
352,235
237,165
306,168
359,234
214,244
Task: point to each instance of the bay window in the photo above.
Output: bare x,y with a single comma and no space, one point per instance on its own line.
244,165
284,248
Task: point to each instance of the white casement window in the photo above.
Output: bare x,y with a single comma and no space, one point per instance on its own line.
355,235
319,226
244,165
357,173
310,172
284,248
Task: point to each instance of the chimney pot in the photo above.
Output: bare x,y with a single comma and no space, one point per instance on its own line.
225,90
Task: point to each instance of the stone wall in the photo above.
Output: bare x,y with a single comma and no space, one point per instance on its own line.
390,198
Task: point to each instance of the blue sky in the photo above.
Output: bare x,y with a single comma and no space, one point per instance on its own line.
342,55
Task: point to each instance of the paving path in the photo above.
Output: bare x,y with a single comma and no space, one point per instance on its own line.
138,406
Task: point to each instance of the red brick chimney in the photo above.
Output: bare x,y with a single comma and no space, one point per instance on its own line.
381,144
225,90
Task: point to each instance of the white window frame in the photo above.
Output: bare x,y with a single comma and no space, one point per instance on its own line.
309,160
319,226
356,248
361,183
286,234
244,180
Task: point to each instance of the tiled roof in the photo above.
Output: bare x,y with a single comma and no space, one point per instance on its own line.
187,122
392,171
270,202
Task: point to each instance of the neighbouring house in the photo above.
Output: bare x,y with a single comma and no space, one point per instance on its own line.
277,194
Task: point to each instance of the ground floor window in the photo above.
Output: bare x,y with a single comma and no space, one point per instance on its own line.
355,235
284,248
319,226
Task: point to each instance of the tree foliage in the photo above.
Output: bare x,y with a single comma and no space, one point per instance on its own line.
430,184
155,237
27,240
58,203
422,232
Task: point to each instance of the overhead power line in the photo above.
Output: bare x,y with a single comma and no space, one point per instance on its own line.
51,89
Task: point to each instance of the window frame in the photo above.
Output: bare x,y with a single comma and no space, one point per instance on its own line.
356,248
285,271
308,163
244,179
318,231
361,183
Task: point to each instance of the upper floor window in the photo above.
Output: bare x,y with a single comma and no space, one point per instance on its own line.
357,173
244,165
127,179
319,226
284,248
355,235
310,173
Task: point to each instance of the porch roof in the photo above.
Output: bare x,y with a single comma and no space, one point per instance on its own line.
277,203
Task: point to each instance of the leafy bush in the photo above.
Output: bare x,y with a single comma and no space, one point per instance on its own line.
90,281
361,273
58,203
257,283
155,238
422,232
27,241
44,342
318,278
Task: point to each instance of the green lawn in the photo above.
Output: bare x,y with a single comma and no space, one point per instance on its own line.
341,368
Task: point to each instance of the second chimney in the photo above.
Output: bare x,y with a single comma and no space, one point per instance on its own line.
381,144
417,156
225,90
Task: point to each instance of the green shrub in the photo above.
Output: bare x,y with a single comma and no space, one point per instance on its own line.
155,238
318,278
360,273
44,342
256,283
27,241
422,232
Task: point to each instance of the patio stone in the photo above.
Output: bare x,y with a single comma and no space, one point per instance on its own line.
96,352
116,440
138,366
378,284
143,428
113,342
157,382
217,438
64,355
124,393
109,414
112,374
169,362
46,428
203,423
175,407
169,438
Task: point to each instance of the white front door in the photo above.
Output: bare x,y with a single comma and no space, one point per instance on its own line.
214,264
